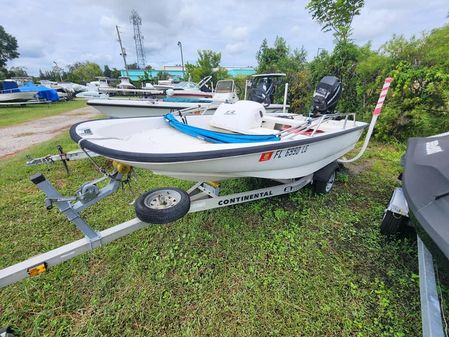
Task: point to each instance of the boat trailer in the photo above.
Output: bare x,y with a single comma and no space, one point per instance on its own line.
397,214
202,196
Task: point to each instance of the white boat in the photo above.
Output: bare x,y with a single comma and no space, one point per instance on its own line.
124,83
89,94
11,93
302,148
7,96
187,89
122,108
238,140
125,88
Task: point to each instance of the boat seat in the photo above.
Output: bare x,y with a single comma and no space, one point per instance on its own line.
281,120
239,117
280,123
261,131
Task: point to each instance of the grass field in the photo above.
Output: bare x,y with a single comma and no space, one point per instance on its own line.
298,265
16,115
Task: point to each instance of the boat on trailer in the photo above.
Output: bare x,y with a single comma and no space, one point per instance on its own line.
237,141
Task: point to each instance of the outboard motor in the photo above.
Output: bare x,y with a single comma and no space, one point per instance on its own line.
326,95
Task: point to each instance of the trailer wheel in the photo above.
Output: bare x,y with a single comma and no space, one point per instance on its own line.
162,205
323,187
391,223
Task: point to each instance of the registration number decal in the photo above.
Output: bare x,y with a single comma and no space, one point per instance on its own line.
279,154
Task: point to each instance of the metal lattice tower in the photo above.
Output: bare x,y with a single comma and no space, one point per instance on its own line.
138,39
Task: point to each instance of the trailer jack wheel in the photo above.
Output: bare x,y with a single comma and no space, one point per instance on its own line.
162,205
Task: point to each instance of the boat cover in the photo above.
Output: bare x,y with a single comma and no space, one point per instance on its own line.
9,86
42,92
426,186
217,137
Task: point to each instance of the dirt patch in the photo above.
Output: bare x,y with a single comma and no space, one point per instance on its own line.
360,166
14,139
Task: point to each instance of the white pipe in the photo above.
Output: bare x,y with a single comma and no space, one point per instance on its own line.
376,113
285,98
246,87
365,144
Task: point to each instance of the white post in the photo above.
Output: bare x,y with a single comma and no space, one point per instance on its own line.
246,87
285,98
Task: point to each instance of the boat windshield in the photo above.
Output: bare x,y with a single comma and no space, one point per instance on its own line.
224,86
186,85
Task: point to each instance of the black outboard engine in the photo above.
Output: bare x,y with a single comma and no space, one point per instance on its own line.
326,95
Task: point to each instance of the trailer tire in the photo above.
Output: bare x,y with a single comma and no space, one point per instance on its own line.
392,223
162,205
323,187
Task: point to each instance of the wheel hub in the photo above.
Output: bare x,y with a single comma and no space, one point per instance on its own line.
162,199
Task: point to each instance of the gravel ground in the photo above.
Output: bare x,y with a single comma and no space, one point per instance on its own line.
17,138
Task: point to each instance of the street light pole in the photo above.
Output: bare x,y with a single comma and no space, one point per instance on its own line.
182,59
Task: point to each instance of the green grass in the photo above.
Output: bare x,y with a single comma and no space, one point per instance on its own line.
297,265
16,115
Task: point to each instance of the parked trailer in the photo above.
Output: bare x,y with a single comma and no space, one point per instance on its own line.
202,196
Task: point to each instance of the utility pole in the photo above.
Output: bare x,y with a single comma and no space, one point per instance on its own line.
182,59
123,51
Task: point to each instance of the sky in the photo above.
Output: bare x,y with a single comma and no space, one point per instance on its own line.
79,30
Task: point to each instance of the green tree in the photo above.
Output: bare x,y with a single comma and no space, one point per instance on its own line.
83,72
162,75
207,64
107,71
281,59
335,15
115,73
8,47
436,47
52,75
400,49
17,72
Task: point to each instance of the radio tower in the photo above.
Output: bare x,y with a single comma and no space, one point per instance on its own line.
138,39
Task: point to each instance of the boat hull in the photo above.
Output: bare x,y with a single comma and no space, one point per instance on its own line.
287,163
17,96
114,108
166,151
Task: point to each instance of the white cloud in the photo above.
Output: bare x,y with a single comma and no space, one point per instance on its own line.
237,33
79,30
234,48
